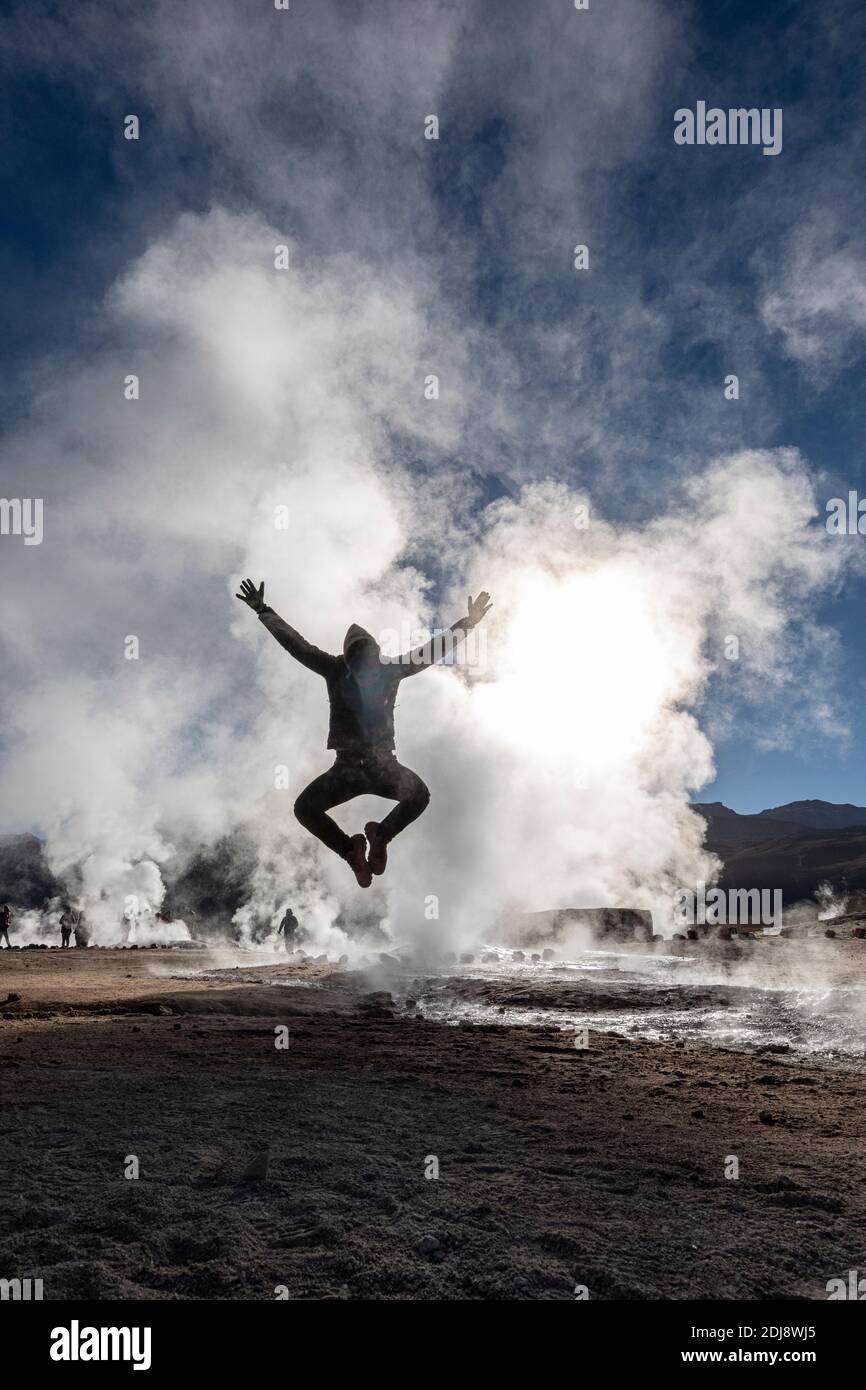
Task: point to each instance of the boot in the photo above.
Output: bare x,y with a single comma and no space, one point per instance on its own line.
378,858
356,858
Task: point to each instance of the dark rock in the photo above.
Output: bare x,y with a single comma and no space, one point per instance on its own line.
377,998
556,926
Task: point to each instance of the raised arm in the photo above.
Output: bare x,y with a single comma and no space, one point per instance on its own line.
296,645
432,651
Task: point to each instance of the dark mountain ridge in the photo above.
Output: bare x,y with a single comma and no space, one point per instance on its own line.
796,848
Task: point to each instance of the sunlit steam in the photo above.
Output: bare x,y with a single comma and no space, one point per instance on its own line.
560,773
584,670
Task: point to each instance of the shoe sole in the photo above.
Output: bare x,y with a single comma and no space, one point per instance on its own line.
378,858
362,871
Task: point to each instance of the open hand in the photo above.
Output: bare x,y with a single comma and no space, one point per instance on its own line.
254,597
478,607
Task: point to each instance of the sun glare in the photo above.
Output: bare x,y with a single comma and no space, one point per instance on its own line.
584,671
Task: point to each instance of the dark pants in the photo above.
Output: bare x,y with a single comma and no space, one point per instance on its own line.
375,773
65,933
4,931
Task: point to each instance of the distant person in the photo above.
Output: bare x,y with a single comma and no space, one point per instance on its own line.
362,686
82,930
67,926
5,920
288,929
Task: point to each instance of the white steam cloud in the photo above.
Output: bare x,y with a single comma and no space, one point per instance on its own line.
560,774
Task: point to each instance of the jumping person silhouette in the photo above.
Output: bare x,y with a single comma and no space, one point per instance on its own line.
362,685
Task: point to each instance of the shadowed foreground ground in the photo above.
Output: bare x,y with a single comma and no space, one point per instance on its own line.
557,1167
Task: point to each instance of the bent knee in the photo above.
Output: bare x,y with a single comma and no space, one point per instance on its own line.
421,795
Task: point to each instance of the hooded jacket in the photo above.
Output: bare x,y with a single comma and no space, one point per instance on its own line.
362,683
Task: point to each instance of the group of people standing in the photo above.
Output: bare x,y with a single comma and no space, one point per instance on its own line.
72,923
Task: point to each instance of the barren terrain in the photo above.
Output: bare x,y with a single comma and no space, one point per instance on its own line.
305,1168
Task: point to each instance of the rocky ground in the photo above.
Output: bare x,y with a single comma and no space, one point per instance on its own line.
306,1168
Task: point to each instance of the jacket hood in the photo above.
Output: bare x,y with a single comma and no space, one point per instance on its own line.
358,634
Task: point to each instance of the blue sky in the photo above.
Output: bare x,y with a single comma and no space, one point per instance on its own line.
556,128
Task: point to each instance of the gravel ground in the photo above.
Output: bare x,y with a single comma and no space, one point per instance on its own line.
304,1169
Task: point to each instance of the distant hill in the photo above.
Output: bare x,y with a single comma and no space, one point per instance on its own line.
730,829
795,847
819,815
